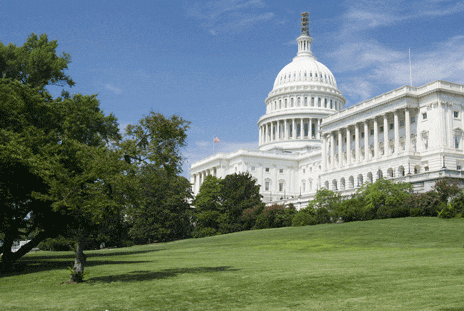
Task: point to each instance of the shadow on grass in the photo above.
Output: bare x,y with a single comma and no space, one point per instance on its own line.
33,264
89,254
136,276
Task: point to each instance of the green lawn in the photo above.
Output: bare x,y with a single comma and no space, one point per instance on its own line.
394,264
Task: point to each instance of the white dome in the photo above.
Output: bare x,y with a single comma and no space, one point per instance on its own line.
304,70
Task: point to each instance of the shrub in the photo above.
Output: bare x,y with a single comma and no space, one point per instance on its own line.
423,204
275,216
303,219
57,244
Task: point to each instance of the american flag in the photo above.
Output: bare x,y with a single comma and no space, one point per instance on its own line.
216,140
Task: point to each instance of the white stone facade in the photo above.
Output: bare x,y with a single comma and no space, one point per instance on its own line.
308,140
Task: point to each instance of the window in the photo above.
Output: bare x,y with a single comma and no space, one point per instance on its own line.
354,137
372,132
304,171
266,186
391,126
456,114
319,102
362,134
413,120
458,167
402,123
267,169
281,186
424,116
281,171
456,142
291,102
325,102
312,101
381,129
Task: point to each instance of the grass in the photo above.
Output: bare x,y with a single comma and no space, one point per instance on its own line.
393,264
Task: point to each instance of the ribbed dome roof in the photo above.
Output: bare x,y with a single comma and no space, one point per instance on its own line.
303,70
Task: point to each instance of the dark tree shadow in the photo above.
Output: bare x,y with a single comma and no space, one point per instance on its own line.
89,254
137,276
33,264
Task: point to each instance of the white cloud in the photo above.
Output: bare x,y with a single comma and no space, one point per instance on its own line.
371,68
225,16
114,89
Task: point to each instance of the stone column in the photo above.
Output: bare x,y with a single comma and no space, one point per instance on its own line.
278,130
340,151
301,129
366,141
407,130
396,126
376,138
324,154
310,128
348,145
385,135
356,142
293,129
332,151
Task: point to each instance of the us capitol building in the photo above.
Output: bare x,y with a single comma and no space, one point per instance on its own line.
308,140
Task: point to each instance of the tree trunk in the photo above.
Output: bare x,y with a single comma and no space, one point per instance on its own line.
77,273
26,248
7,256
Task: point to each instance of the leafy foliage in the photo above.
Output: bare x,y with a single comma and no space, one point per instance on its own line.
220,204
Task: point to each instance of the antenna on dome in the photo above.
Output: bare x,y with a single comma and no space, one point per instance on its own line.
305,23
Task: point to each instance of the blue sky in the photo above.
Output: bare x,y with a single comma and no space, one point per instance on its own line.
214,62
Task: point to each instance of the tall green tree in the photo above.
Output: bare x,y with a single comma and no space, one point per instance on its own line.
208,207
84,186
159,207
239,192
35,63
163,211
220,204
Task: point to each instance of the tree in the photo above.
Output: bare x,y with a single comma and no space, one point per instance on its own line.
163,213
325,198
208,209
220,203
159,207
35,63
239,192
156,141
447,189
83,188
28,133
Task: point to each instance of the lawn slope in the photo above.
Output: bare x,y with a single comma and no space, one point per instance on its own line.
393,264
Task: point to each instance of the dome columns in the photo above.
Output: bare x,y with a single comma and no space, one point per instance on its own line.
289,129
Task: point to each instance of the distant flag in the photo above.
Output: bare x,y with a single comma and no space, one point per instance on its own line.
216,140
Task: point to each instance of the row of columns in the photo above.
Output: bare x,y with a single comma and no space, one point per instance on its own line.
305,101
287,129
329,140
